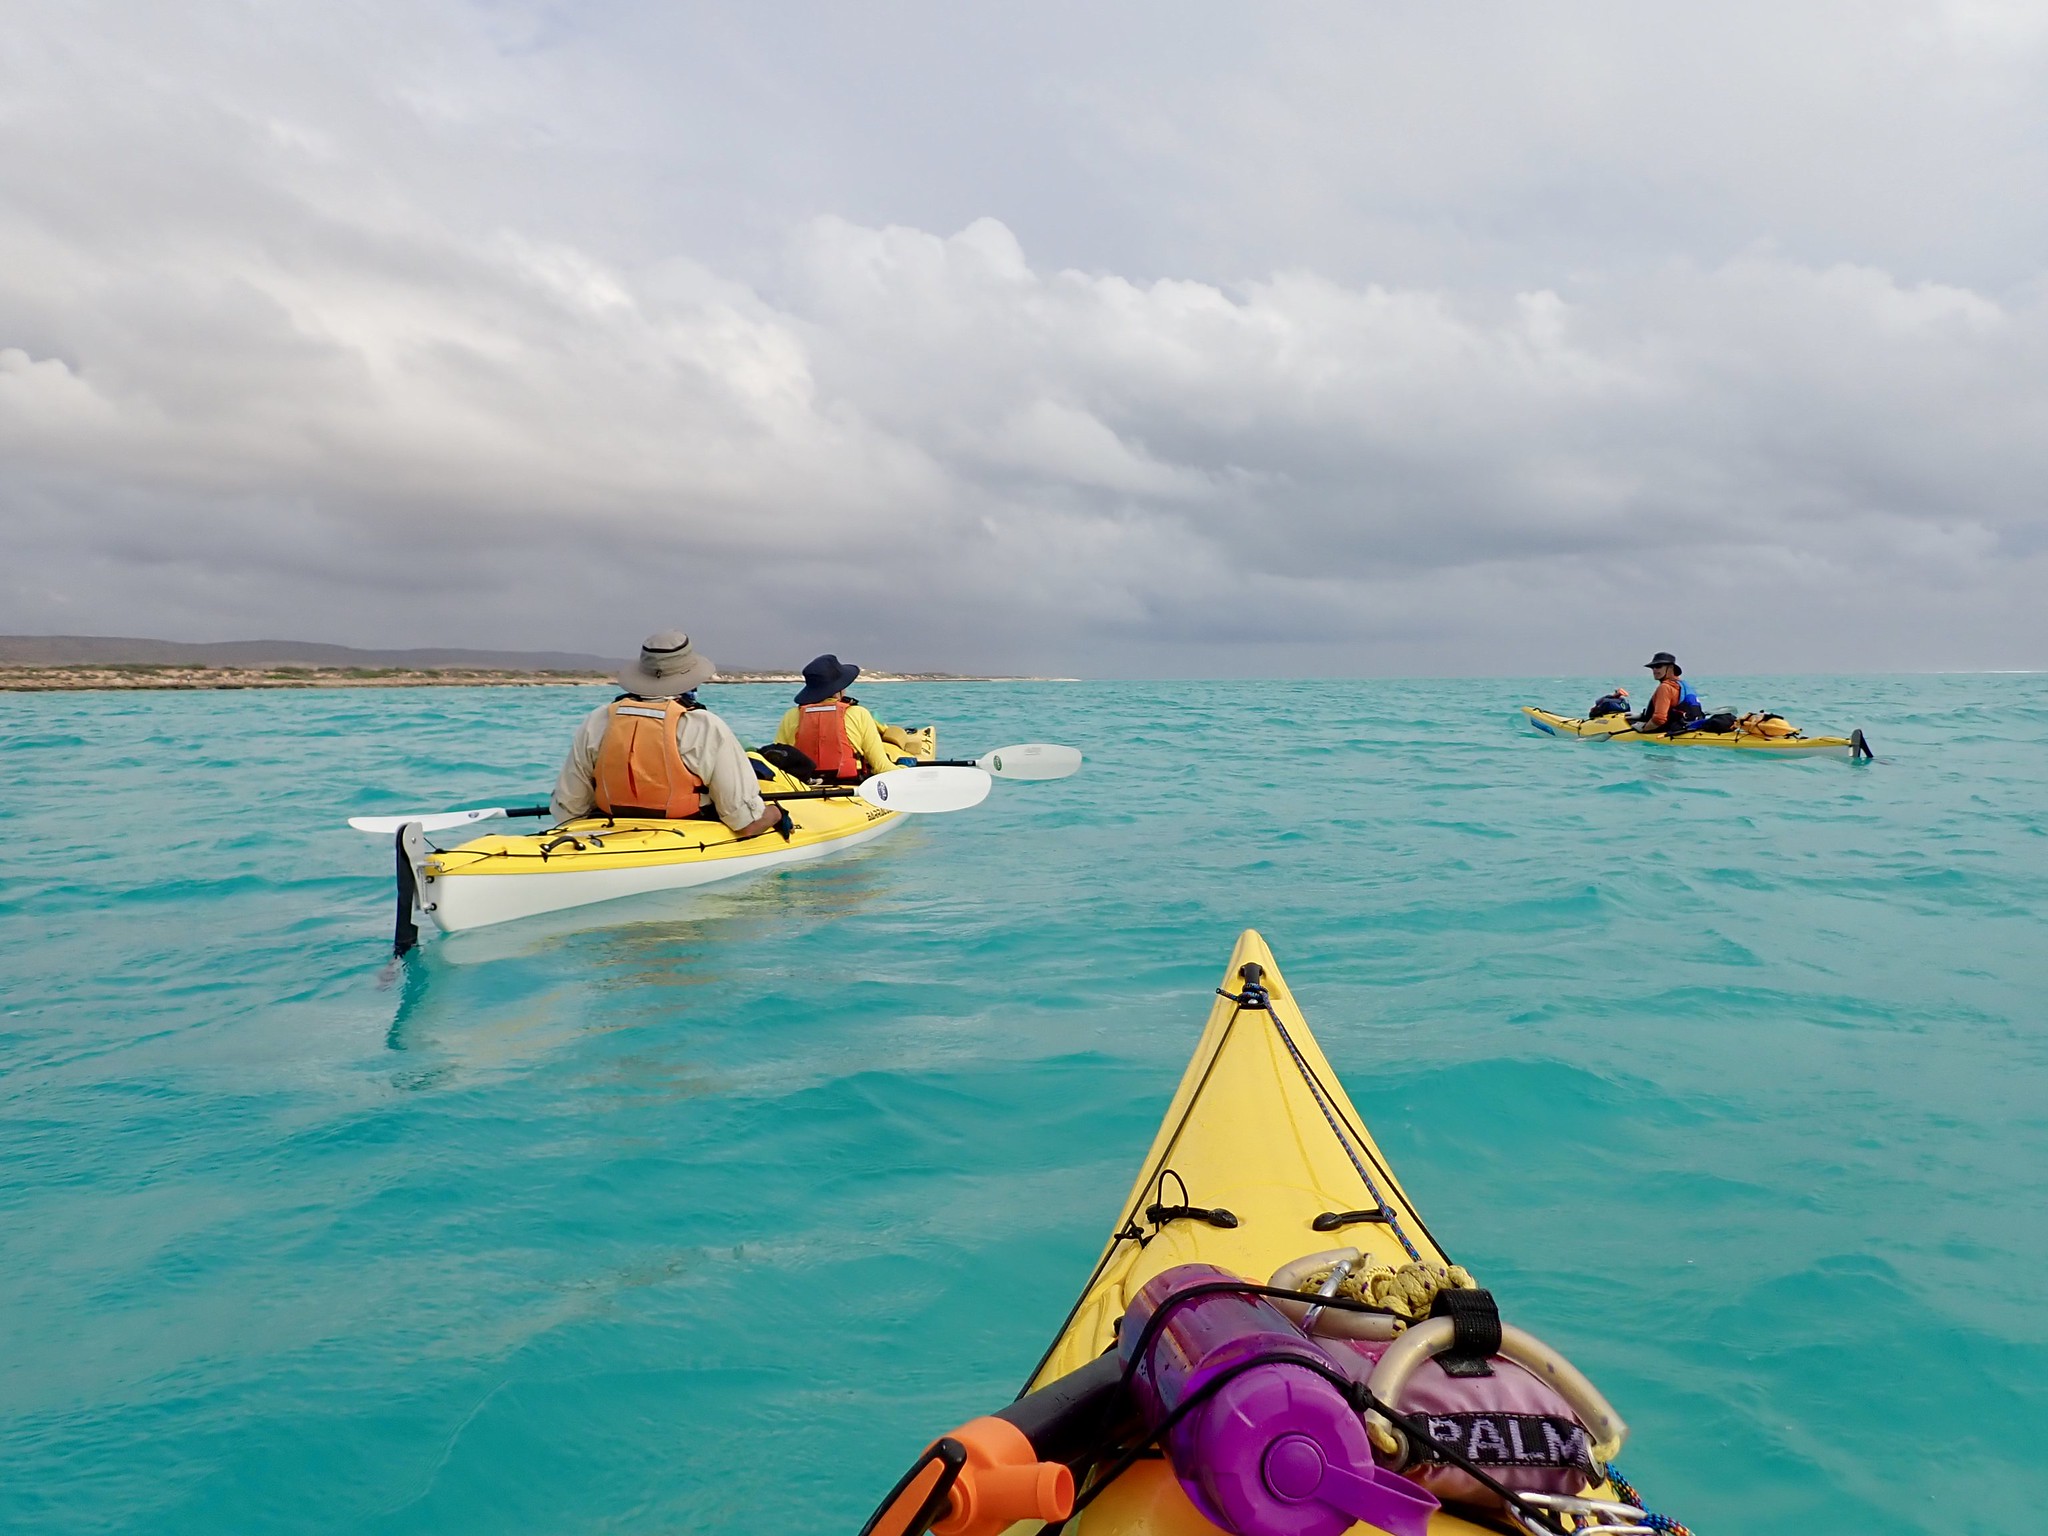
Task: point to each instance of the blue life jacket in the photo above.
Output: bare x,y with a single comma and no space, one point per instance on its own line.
1688,708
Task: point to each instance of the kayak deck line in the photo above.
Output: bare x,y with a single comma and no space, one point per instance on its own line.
1301,1088
1254,997
1114,1433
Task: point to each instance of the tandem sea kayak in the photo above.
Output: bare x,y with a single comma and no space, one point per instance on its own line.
1617,728
590,859
501,877
1272,1343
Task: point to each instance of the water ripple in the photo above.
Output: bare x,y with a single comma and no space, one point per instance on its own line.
1726,1075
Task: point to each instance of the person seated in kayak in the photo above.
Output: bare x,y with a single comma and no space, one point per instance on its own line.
655,752
834,731
1674,705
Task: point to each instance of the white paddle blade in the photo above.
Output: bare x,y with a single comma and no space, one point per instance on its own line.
926,791
1033,760
441,821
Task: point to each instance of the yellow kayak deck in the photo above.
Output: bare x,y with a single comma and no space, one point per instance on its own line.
501,878
1617,728
1245,1132
592,843
1250,1130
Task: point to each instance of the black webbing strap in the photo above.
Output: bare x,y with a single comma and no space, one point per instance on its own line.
1475,1331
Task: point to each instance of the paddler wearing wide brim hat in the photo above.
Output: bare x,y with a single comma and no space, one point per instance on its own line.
838,734
655,752
1674,703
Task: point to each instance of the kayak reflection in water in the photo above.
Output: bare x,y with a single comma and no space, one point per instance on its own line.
655,752
837,735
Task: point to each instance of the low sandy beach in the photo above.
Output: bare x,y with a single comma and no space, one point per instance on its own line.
127,677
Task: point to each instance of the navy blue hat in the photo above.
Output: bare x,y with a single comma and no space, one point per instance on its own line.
1665,659
826,676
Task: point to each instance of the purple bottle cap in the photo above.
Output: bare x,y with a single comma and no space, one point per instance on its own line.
1277,1452
1294,1469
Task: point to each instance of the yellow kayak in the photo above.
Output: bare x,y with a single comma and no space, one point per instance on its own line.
1617,728
500,877
1262,1171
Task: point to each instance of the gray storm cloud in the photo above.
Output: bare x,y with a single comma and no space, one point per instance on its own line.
450,325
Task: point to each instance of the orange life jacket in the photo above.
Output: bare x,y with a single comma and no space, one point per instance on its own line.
821,736
640,768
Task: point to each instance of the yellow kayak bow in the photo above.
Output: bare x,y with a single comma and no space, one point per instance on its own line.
1261,1168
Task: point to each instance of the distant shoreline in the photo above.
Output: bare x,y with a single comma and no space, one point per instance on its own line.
174,677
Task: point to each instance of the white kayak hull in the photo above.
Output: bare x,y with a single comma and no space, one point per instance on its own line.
458,903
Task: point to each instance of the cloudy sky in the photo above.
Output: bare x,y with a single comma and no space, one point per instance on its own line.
1120,339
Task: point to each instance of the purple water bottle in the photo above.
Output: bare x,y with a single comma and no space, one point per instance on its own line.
1276,1450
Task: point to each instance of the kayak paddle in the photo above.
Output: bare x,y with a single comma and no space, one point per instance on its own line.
1032,760
921,791
440,821
925,790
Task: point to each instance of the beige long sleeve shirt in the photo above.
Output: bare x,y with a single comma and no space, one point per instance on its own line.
710,751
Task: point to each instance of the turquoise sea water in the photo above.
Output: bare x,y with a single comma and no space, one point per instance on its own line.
1731,1078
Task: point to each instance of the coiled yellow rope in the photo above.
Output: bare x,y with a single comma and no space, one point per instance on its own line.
1408,1292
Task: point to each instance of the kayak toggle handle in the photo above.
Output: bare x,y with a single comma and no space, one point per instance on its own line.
1330,1221
1215,1216
1159,1213
1254,994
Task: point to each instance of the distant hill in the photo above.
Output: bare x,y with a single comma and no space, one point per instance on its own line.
116,651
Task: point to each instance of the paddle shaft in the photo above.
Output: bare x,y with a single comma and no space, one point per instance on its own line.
918,790
836,792
1031,760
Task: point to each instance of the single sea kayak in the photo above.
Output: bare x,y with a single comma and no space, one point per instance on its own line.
1617,728
1271,1312
498,878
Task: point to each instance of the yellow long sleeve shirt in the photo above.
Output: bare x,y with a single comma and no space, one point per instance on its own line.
861,731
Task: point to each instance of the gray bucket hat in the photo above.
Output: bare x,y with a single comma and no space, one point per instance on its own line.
667,667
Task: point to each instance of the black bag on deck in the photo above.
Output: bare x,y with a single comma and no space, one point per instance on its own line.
797,765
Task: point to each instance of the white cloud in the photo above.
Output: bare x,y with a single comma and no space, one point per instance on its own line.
364,335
